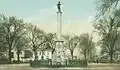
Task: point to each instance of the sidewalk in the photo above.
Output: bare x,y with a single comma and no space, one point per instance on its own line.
7,65
90,67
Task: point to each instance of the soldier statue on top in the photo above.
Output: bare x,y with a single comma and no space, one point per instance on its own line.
58,6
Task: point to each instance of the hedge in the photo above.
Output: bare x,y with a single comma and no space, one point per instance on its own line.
70,63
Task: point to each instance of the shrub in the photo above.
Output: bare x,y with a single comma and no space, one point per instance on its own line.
77,63
70,63
3,60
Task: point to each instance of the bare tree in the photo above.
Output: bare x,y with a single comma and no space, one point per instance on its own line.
37,38
20,45
3,46
105,6
108,28
50,38
71,43
13,29
86,45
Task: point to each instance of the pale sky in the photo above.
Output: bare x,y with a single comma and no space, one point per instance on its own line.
77,14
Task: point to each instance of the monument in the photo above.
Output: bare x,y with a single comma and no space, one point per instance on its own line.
59,54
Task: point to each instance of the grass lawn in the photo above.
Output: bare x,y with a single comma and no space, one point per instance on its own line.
90,67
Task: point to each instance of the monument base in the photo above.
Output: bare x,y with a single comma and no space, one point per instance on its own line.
59,54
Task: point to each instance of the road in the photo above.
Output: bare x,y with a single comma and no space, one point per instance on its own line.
90,67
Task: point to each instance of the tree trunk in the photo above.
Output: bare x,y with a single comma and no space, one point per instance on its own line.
35,53
36,57
111,57
9,54
53,51
85,58
111,53
18,56
71,54
85,55
42,55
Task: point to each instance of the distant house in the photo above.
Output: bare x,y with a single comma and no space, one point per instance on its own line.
46,53
28,54
106,57
117,55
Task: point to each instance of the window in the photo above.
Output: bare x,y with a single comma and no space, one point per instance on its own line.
40,53
12,54
47,53
43,52
47,57
28,54
58,56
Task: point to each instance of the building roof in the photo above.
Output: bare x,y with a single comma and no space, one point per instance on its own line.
48,46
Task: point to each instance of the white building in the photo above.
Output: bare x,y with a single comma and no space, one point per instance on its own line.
28,54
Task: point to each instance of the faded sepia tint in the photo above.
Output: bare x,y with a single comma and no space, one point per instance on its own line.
59,35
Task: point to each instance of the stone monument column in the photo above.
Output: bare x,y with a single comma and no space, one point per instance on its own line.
59,54
59,25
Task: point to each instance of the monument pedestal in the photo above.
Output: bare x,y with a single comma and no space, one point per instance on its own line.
59,54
